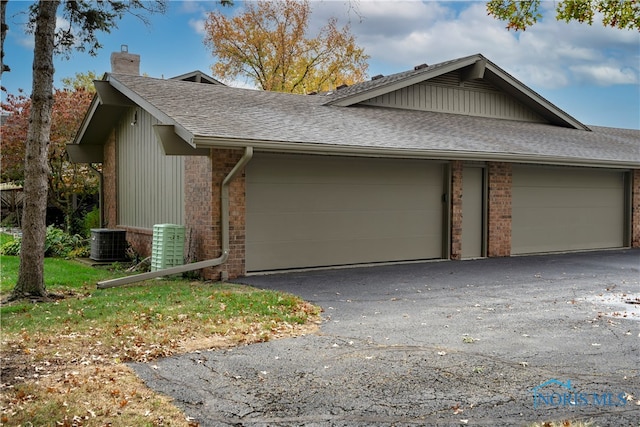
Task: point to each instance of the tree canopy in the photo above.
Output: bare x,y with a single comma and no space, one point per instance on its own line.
269,44
521,14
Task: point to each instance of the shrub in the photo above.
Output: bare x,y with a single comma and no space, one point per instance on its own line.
91,220
11,247
57,244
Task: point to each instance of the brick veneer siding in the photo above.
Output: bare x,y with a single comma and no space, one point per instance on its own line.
499,209
203,179
456,209
140,239
635,209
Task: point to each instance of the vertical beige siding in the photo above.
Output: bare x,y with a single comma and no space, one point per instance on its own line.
150,184
445,94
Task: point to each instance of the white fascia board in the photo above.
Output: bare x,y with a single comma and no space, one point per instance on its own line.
151,109
341,150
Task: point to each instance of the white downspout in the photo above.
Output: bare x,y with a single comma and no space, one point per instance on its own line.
224,223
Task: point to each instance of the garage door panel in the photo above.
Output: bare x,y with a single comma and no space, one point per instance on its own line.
286,255
305,211
337,225
559,209
579,197
317,197
280,168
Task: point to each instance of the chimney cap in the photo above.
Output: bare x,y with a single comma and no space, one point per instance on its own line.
124,48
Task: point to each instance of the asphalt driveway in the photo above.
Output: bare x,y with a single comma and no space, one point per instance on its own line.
505,341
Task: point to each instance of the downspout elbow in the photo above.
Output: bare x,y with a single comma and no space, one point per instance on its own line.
224,219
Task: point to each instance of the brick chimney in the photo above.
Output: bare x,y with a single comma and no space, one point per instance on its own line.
124,62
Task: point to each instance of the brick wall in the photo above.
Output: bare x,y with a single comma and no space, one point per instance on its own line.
456,209
203,179
140,239
635,209
499,210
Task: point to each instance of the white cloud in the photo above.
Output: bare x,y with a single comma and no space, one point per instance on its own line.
197,25
605,75
550,54
190,6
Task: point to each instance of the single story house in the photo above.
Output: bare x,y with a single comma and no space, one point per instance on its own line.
445,161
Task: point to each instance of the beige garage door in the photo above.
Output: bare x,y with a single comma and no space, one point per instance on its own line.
311,211
560,209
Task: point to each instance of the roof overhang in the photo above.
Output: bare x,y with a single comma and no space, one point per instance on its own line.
86,153
174,145
111,101
442,155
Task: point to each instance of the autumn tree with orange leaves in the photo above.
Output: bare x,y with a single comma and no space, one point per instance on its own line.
269,45
66,181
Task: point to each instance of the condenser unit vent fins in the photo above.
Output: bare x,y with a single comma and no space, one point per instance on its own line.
108,245
168,246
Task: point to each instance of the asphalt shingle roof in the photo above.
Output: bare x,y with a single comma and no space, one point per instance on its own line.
241,114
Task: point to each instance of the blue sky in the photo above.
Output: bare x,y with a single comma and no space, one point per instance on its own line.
591,72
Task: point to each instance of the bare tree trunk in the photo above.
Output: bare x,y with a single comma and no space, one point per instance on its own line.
31,274
3,29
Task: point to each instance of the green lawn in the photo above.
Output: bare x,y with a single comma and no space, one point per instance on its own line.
77,344
59,274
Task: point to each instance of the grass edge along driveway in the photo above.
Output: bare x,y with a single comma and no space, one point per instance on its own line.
63,362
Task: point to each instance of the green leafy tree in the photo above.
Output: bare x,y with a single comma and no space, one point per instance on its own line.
270,45
521,14
86,19
80,81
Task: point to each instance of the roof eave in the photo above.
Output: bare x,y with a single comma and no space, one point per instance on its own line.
86,120
164,118
443,155
529,96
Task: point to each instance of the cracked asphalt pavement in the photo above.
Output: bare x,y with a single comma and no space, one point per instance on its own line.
439,343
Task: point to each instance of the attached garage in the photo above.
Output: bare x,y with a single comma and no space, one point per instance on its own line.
313,211
454,160
562,209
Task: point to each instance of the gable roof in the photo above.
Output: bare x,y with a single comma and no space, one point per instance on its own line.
197,77
472,67
195,116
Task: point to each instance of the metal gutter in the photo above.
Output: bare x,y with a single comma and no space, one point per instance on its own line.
339,150
224,221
